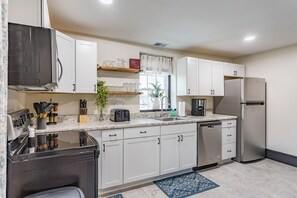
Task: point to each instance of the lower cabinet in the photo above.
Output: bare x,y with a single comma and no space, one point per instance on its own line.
112,158
178,152
228,139
142,158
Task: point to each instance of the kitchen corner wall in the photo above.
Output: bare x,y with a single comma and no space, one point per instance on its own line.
107,50
279,68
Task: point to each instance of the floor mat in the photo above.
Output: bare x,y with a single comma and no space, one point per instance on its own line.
185,185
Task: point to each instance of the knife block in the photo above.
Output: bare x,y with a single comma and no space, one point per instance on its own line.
83,117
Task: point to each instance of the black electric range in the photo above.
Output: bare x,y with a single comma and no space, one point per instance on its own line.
61,159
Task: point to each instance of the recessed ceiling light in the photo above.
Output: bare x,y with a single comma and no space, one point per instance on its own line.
106,1
249,38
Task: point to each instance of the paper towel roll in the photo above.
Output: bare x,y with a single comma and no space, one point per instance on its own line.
182,109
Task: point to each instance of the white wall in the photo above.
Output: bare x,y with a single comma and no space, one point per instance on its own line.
279,68
107,50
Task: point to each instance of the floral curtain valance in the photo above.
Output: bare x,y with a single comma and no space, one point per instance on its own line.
156,64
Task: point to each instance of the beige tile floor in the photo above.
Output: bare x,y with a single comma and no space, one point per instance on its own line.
261,179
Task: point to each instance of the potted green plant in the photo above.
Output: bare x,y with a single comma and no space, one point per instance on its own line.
155,93
101,98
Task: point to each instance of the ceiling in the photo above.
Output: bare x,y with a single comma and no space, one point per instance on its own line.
199,26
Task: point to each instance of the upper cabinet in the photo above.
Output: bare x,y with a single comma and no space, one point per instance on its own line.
86,67
187,72
66,63
199,77
29,12
234,70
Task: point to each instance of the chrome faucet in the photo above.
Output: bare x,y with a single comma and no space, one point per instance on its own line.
162,104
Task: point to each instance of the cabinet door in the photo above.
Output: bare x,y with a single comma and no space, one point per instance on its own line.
192,76
29,12
170,153
204,78
65,62
86,66
217,79
228,151
112,163
188,150
141,159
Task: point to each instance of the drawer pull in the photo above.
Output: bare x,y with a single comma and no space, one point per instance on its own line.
112,135
229,135
158,140
182,138
178,138
229,151
142,132
103,147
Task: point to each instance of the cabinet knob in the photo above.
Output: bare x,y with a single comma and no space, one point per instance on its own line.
103,148
229,135
189,91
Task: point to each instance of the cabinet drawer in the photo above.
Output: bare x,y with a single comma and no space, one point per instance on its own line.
228,135
228,151
112,135
229,123
178,128
141,132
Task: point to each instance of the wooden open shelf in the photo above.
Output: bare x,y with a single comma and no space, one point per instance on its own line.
124,93
118,69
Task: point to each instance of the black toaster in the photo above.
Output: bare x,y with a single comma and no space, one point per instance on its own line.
119,115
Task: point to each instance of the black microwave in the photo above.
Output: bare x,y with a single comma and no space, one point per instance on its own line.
32,62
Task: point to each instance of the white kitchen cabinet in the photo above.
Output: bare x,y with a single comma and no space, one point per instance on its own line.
66,63
170,150
199,77
29,12
141,158
178,149
234,70
218,85
187,76
228,139
210,78
205,78
112,163
86,67
188,150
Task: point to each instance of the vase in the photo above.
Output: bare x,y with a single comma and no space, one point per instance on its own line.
156,103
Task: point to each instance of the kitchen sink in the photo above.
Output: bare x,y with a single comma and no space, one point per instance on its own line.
166,119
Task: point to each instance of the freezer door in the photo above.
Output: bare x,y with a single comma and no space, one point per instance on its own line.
253,132
252,89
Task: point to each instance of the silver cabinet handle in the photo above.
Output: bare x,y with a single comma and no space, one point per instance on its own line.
178,138
112,135
159,141
74,87
61,67
142,132
95,86
189,91
182,138
103,147
214,92
211,92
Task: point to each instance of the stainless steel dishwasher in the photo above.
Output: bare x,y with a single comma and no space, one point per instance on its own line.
209,144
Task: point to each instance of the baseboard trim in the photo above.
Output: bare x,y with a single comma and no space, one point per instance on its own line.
281,157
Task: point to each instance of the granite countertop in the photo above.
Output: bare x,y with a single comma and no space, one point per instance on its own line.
101,125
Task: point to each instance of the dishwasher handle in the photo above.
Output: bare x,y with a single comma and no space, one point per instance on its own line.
210,124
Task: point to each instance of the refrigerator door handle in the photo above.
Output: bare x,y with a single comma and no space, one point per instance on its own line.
242,111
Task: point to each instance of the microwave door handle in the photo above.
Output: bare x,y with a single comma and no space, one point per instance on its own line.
61,67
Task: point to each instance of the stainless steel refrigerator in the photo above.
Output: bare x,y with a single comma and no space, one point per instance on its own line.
246,98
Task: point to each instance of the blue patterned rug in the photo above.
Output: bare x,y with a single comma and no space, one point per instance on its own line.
116,196
185,185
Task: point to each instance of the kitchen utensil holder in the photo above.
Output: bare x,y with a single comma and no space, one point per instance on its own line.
41,123
83,117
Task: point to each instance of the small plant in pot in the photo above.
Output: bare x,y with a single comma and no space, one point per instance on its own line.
101,98
155,93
